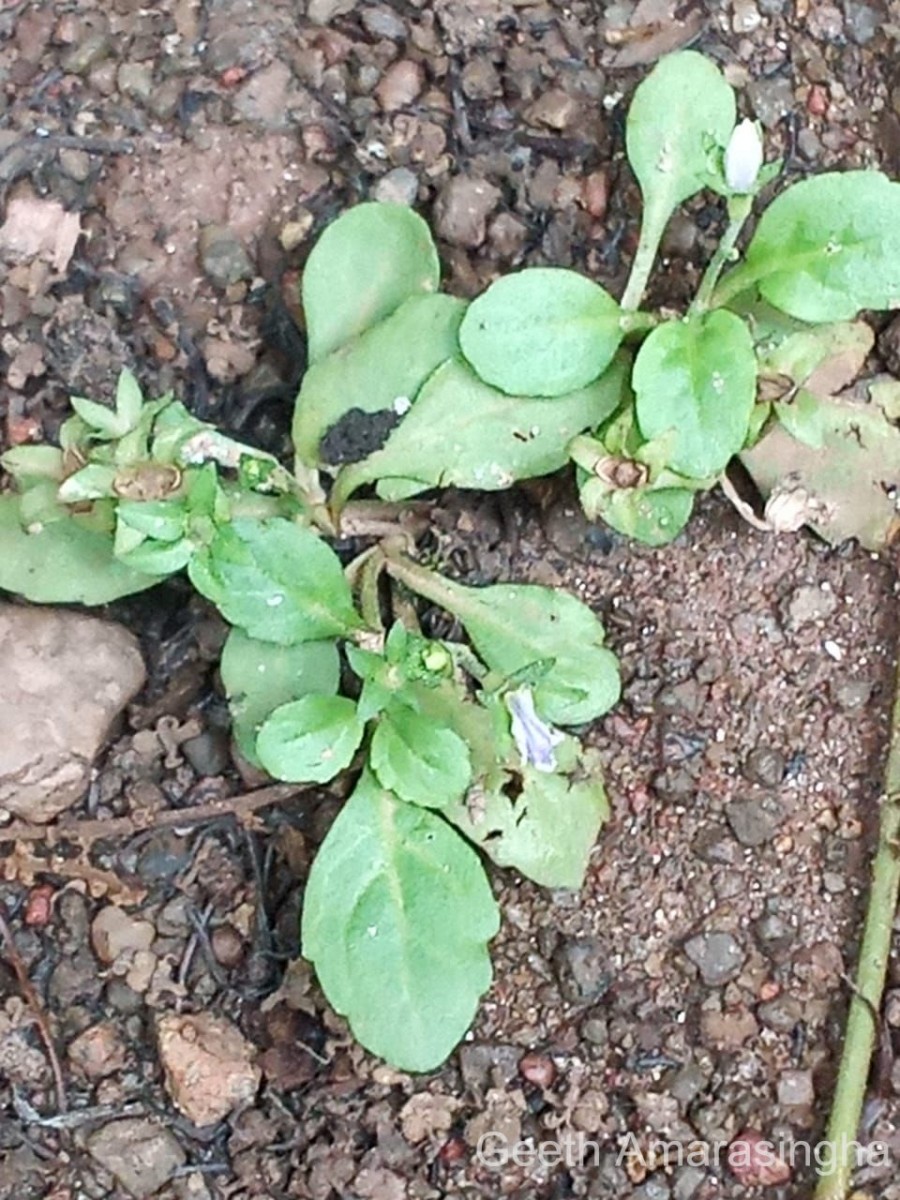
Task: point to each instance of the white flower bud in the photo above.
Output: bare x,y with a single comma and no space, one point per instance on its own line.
743,157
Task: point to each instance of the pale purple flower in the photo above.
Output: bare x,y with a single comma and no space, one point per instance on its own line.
534,738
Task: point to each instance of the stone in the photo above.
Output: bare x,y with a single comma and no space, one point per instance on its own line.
765,765
400,85
462,209
66,677
852,694
208,1064
488,1064
771,99
263,99
795,1089
223,257
400,186
810,603
383,23
688,1183
752,822
139,1153
781,1014
320,12
97,1051
135,80
583,968
116,934
556,109
717,955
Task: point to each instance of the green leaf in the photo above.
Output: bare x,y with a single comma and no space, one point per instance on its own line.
105,423
310,740
652,516
541,332
421,762
129,399
518,625
696,379
93,482
28,464
543,825
162,520
381,371
826,357
276,580
66,562
361,269
396,919
462,433
158,558
259,677
827,247
680,119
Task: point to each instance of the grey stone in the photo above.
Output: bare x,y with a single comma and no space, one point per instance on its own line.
223,257
688,1183
400,186
717,955
765,765
714,845
654,1188
810,603
752,822
208,753
583,969
462,209
853,694
66,677
795,1089
780,1014
688,1083
139,1153
320,12
771,99
90,49
382,22
773,934
135,80
861,22
486,1064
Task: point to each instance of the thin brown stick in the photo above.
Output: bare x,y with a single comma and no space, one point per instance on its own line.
33,1000
87,832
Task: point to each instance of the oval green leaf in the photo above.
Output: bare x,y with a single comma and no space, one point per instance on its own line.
377,372
310,740
541,332
695,381
361,269
828,247
652,516
680,115
514,626
276,580
67,562
396,918
461,432
547,831
421,762
259,677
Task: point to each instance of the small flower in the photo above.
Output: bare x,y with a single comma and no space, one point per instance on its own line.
533,737
743,157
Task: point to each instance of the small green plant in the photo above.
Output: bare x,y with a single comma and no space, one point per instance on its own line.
455,744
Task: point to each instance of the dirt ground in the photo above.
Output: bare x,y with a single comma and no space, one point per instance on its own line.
695,988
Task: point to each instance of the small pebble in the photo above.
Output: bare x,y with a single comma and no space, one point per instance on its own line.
717,955
538,1069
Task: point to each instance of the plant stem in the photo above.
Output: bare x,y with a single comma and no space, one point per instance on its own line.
738,211
859,1040
648,244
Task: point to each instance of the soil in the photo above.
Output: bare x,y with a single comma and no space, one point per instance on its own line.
695,988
